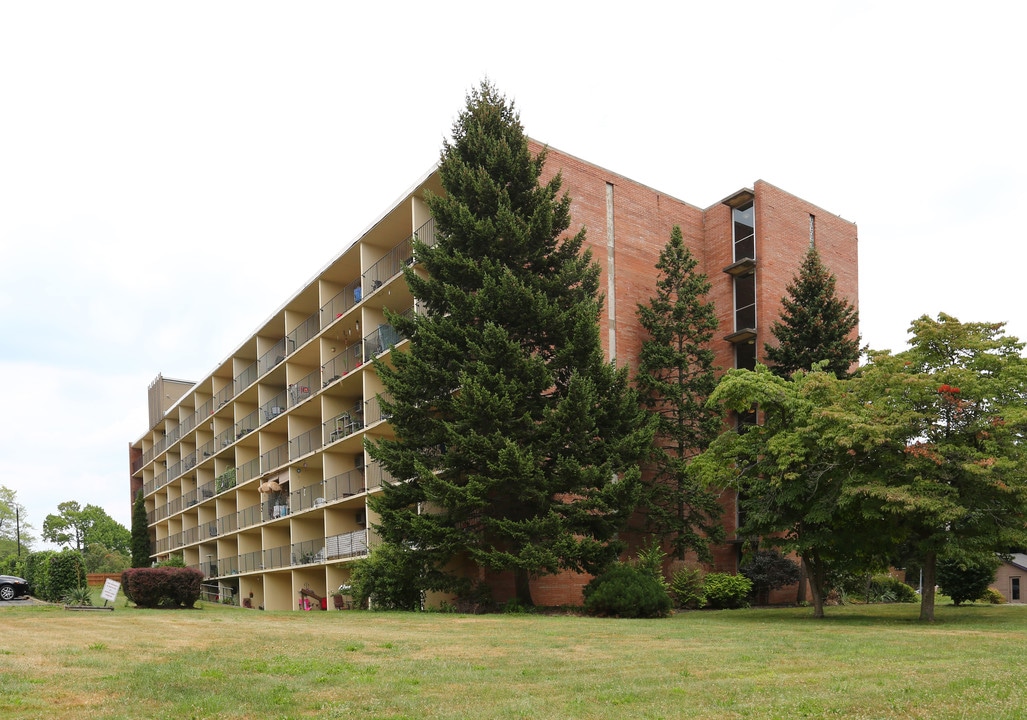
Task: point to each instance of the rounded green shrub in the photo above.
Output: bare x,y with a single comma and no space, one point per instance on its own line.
726,591
626,591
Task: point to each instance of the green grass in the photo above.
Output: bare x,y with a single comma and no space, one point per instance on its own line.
217,662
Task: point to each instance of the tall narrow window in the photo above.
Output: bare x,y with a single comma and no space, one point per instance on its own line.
1014,588
744,231
812,230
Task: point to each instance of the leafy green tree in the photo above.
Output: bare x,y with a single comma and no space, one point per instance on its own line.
965,579
955,477
140,533
77,527
516,442
795,470
98,558
15,531
676,376
815,326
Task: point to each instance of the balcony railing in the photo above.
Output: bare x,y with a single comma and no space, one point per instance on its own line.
276,557
378,476
273,408
271,358
305,388
341,303
274,458
351,544
228,524
305,443
222,396
251,516
345,362
344,424
249,470
246,378
304,331
308,551
248,562
373,410
247,425
344,485
307,497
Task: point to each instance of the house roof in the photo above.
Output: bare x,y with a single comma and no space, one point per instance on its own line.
1019,560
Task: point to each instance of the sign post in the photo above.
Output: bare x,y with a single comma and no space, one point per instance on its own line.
110,590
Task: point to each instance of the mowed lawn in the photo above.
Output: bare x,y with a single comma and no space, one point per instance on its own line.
219,662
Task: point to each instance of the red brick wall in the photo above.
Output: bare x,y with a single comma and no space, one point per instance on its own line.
643,219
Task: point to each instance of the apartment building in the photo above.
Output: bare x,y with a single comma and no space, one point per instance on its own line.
257,473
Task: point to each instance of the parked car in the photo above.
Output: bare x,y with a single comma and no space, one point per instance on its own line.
12,587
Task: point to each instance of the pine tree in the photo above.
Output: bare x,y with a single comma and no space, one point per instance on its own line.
516,441
675,377
815,325
140,534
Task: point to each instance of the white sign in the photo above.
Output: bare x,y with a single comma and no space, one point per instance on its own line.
110,589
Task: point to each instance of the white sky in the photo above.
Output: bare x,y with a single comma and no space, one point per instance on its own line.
170,173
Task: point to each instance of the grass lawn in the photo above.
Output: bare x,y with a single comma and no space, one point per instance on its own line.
220,662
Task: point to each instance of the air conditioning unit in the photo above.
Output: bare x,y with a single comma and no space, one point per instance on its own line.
361,518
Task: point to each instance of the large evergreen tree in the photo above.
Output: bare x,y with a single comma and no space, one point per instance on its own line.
516,442
815,326
675,377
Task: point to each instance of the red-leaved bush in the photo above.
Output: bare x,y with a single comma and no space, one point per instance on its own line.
157,586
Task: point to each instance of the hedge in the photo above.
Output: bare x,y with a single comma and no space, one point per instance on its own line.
162,586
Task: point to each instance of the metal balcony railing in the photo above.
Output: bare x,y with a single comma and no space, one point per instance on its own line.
345,362
274,458
271,358
305,443
351,544
340,304
305,388
307,552
344,485
246,378
304,331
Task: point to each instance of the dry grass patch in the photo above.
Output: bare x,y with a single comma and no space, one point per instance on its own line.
861,662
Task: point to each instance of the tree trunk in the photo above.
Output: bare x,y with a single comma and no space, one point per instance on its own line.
800,594
815,573
930,569
522,586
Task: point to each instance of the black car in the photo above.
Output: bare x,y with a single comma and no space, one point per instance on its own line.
12,587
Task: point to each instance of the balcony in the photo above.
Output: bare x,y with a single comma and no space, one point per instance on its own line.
342,364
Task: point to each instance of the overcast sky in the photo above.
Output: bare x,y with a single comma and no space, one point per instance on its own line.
170,173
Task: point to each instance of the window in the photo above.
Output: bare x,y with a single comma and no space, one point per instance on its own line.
812,230
745,355
1014,588
745,302
744,231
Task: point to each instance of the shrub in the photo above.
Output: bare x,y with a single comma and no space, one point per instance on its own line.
726,591
887,589
966,579
157,586
63,573
35,572
993,596
686,586
388,579
626,590
768,570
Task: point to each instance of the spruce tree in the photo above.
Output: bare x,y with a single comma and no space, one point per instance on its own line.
675,377
816,325
516,442
140,534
